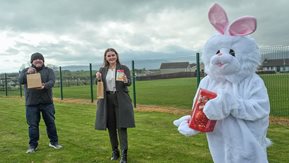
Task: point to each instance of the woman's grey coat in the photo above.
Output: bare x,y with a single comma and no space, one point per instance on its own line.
124,111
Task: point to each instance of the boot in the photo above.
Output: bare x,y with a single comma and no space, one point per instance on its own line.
115,154
123,156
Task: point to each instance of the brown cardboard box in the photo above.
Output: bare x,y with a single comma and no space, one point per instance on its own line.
34,80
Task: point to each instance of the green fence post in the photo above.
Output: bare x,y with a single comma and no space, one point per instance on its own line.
91,82
6,87
198,69
20,87
133,84
61,86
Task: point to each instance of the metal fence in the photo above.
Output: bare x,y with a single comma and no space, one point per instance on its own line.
68,82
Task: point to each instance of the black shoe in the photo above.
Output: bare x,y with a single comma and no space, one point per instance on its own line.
115,154
123,157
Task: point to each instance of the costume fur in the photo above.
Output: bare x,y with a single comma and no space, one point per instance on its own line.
241,107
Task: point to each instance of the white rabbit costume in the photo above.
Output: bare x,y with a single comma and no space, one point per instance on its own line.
241,107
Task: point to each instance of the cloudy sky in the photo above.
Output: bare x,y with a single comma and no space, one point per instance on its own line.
76,32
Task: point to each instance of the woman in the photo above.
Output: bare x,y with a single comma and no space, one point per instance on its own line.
115,110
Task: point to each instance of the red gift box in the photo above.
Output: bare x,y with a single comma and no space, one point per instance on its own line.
199,120
119,75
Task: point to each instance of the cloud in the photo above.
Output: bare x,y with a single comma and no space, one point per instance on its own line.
78,32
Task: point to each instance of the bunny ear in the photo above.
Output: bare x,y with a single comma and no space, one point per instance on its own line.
218,18
243,26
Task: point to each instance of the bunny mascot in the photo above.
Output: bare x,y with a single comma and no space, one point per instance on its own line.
241,107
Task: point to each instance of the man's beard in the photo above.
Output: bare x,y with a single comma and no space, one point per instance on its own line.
38,68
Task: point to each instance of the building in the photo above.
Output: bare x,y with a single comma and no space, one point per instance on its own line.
278,65
194,67
174,67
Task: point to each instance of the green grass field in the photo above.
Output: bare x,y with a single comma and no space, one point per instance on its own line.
154,139
169,92
278,90
179,92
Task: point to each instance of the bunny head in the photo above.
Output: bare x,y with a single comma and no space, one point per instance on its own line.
231,54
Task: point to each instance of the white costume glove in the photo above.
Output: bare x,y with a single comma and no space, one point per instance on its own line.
186,130
183,126
221,106
180,120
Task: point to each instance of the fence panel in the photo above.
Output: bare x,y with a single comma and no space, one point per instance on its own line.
176,90
9,84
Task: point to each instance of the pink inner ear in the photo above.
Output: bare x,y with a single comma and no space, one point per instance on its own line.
243,26
218,18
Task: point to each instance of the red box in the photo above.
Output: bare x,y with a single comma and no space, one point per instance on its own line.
119,75
199,120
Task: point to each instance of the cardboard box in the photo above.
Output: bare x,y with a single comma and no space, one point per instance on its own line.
199,120
34,80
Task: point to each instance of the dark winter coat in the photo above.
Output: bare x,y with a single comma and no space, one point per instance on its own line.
124,112
39,96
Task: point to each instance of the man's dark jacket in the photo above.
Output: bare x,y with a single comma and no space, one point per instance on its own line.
39,96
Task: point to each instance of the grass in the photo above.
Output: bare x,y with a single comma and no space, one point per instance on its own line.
148,92
278,90
172,92
154,139
179,92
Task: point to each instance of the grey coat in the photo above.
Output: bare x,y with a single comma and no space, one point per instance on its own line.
124,112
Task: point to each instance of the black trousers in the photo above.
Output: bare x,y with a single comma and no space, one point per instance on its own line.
113,131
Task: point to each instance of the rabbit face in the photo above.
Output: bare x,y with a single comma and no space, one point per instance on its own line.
231,53
220,56
226,55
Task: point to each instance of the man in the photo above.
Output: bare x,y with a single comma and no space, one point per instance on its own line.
39,100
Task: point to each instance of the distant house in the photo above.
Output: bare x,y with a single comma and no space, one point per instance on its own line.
278,65
194,67
173,67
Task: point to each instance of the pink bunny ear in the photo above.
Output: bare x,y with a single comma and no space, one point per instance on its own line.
218,18
243,26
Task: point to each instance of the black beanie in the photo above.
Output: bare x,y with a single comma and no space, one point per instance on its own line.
36,56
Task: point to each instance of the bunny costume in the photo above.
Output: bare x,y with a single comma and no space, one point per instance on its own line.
241,107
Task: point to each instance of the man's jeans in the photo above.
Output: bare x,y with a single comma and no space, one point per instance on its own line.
33,119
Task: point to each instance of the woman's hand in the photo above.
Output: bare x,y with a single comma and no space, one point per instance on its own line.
124,78
98,75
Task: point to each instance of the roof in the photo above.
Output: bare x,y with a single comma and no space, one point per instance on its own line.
173,65
275,62
193,64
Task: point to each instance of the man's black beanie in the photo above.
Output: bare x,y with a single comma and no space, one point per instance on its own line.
36,56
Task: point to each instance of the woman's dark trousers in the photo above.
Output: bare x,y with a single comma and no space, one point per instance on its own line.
115,133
